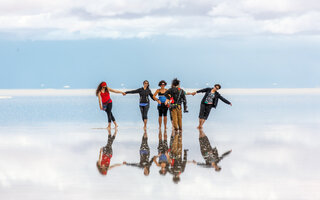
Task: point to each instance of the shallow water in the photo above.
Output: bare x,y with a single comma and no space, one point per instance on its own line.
50,146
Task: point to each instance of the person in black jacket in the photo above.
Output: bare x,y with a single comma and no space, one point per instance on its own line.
210,100
175,97
144,100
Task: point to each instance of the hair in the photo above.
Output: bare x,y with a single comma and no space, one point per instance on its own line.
176,179
218,85
102,171
99,88
161,82
175,82
148,83
163,173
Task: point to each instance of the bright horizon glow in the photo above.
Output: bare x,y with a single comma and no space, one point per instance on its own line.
9,93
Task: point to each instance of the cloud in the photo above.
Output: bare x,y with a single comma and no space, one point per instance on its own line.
71,19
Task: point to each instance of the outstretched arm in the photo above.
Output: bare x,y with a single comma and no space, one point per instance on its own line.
133,91
115,165
115,91
225,100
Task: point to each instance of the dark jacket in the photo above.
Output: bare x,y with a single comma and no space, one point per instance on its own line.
174,92
217,96
143,94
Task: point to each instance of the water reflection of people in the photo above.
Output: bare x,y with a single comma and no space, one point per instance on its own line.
177,164
105,155
163,157
209,154
144,156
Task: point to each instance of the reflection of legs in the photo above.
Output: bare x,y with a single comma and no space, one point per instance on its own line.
180,144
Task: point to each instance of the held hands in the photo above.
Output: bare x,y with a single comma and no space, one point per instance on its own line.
194,93
230,104
123,93
124,162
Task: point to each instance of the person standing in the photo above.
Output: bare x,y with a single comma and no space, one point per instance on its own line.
209,101
105,101
178,96
162,108
144,102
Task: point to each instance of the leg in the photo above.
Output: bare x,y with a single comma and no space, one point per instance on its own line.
165,122
145,116
109,114
180,118
160,121
174,114
201,115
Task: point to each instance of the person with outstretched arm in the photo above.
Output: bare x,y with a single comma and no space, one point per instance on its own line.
209,101
144,102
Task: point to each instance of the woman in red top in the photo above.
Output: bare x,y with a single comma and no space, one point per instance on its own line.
105,155
105,102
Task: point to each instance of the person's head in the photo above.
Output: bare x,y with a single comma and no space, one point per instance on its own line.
175,82
146,171
102,85
162,84
176,178
163,171
217,87
146,84
102,169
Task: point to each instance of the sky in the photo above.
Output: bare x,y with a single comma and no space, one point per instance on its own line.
237,43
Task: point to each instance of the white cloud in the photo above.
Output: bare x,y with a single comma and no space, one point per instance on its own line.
79,19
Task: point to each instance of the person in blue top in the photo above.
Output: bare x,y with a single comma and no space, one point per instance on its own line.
163,157
209,101
162,108
144,92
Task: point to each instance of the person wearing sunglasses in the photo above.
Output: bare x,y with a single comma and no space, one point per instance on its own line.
209,101
162,108
144,93
105,102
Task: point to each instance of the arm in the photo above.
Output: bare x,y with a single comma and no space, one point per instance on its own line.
100,154
155,98
115,165
100,102
133,91
115,91
203,90
151,95
155,160
225,100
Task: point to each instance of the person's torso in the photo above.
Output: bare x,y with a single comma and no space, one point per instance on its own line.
163,158
144,95
105,97
162,98
176,94
105,160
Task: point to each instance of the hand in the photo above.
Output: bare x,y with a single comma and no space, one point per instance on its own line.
159,102
230,104
123,93
194,161
124,162
194,93
101,108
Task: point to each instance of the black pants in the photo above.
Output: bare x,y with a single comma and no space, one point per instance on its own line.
204,111
108,107
163,110
144,112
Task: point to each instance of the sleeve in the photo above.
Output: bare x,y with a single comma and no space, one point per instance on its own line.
133,164
203,90
204,165
224,100
151,95
133,91
166,94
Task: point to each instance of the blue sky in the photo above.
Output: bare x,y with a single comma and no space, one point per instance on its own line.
240,44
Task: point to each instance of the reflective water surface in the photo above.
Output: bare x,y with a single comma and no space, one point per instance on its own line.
263,147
